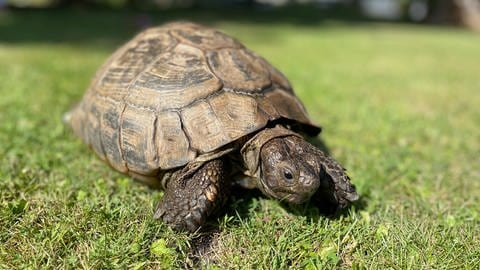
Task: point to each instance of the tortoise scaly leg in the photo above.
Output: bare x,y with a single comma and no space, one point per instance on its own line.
335,191
190,197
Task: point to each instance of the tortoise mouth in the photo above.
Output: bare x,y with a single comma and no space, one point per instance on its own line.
295,198
286,195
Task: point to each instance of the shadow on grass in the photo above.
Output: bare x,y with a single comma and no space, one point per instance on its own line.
243,203
86,25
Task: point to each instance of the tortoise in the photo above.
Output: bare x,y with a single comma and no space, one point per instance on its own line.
190,109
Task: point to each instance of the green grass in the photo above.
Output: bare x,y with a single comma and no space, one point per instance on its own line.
400,109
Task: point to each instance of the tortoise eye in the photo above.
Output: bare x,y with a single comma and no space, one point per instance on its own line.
288,174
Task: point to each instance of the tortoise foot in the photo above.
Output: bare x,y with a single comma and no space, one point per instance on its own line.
190,198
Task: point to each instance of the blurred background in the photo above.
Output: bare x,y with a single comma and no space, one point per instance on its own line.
445,12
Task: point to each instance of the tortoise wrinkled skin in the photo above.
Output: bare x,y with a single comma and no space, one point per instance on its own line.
291,168
190,109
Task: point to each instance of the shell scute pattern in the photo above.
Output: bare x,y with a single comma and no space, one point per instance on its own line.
201,37
178,91
239,70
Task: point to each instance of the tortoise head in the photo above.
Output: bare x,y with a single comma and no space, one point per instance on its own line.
289,170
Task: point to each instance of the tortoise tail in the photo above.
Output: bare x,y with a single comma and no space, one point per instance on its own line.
67,117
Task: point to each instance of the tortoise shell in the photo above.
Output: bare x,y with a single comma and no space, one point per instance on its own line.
179,91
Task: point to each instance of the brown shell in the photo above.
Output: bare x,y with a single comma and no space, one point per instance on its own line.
178,91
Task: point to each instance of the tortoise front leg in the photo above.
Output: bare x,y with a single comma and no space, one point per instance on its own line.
335,191
193,196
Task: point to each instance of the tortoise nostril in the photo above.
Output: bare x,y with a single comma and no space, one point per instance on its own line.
307,181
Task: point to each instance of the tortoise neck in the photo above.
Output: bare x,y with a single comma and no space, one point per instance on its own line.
250,151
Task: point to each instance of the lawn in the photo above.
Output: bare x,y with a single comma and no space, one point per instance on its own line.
399,105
